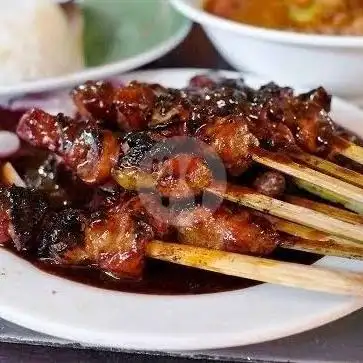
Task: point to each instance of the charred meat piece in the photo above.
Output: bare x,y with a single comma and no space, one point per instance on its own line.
305,116
314,132
174,168
271,183
319,96
112,239
183,176
228,229
134,106
170,109
226,98
63,188
115,240
232,140
88,150
61,231
21,214
95,99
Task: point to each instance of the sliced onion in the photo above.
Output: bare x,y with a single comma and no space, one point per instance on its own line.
9,143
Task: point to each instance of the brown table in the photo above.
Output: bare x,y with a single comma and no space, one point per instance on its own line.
341,341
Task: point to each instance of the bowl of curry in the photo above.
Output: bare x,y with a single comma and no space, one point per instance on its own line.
301,42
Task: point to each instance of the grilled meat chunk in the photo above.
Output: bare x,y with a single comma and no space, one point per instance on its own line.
232,140
134,105
228,229
60,232
21,214
271,183
114,240
88,150
95,99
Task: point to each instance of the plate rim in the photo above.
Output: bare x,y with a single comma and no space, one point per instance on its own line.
212,339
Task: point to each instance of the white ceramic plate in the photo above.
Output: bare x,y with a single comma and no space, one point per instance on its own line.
119,36
56,306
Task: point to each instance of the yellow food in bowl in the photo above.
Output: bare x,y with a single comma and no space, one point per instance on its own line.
339,17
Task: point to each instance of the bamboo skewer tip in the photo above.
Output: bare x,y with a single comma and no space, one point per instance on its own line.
260,269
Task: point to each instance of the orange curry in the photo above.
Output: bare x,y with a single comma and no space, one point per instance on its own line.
339,17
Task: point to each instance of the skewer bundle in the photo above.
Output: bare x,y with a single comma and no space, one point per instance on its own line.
316,227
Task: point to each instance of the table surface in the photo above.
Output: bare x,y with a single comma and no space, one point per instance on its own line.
337,342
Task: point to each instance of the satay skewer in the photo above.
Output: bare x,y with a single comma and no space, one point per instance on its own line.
329,195
306,239
335,212
352,152
259,269
310,240
329,168
350,193
291,212
131,179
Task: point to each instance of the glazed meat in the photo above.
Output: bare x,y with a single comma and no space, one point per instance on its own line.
87,149
270,183
134,106
300,121
176,169
228,229
21,215
113,239
231,140
275,116
224,114
96,99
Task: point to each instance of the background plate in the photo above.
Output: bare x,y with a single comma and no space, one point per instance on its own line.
119,36
56,306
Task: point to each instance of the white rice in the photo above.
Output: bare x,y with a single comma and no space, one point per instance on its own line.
36,41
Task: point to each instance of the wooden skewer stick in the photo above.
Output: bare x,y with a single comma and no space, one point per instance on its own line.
335,212
330,195
329,168
313,177
260,269
309,240
352,151
291,212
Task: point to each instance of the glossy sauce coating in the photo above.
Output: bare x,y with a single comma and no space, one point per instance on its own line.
217,103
